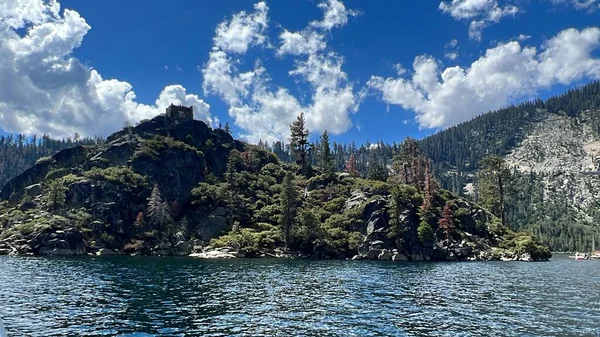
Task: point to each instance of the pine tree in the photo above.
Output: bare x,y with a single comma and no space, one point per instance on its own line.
428,188
159,211
227,128
299,142
325,157
55,195
288,200
351,166
376,170
492,177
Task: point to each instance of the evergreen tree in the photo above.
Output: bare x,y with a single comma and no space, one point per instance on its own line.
159,211
55,195
376,171
227,128
299,143
325,157
493,176
429,188
288,201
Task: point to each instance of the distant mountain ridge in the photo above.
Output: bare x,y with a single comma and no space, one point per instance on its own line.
553,148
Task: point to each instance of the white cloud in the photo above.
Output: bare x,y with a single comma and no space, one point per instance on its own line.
264,111
505,73
451,55
43,89
451,50
399,69
480,13
243,30
586,5
301,43
336,15
523,37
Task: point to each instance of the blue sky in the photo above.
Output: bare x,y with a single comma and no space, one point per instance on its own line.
88,66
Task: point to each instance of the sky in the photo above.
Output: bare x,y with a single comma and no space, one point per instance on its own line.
363,70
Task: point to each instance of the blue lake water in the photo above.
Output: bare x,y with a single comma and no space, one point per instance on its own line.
151,296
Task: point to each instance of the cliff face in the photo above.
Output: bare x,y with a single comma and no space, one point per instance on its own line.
173,186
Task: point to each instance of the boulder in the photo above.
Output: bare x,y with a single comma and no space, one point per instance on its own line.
525,257
385,255
378,244
373,254
106,252
212,226
68,242
356,199
417,257
183,248
33,190
164,248
399,257
214,254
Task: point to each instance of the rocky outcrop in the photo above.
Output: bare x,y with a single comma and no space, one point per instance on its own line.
217,253
65,158
67,242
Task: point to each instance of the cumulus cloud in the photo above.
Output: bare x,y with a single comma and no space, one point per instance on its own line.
43,89
480,13
505,73
264,111
243,30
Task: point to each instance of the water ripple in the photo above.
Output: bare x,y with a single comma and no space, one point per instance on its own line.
141,297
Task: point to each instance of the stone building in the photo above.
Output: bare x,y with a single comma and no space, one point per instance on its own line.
180,112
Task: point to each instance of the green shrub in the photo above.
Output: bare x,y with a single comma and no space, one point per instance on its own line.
154,146
425,232
124,176
372,186
70,179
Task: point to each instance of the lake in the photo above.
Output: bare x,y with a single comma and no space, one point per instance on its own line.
153,296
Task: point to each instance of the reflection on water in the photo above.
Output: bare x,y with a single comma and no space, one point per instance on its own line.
145,296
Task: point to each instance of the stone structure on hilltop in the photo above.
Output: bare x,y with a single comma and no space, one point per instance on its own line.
180,112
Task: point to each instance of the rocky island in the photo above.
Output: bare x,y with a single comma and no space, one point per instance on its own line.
174,186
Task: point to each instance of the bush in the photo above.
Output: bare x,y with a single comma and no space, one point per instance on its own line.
522,242
372,186
154,146
124,176
250,241
425,232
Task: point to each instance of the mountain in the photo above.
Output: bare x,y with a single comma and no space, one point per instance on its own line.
552,148
173,186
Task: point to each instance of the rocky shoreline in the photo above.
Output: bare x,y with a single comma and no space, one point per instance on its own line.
65,243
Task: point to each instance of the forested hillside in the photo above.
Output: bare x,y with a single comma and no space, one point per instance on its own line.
550,148
173,186
18,152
